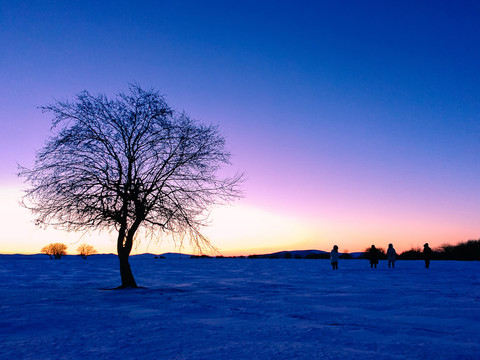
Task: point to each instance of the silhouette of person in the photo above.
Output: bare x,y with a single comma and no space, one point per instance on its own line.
427,255
373,255
334,257
392,256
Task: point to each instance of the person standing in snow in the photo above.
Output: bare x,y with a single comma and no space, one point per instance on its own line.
427,255
392,256
373,255
334,257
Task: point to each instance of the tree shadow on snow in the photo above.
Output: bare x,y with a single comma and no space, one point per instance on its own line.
146,289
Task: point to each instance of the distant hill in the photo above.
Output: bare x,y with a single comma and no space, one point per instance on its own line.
295,254
171,255
305,254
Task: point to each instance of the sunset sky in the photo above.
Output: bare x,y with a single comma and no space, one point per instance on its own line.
355,122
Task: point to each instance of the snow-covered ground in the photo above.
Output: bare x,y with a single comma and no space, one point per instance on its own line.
238,309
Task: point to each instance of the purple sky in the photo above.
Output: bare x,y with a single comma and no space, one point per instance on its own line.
355,122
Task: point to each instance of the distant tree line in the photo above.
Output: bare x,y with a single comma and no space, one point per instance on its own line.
469,250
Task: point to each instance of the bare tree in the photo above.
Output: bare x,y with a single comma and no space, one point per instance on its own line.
55,249
126,164
85,250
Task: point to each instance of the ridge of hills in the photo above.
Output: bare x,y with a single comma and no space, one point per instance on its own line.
294,254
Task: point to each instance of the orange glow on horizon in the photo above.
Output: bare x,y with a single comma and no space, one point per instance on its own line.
242,230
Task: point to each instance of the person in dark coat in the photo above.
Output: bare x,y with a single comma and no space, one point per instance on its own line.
334,257
427,255
392,255
373,255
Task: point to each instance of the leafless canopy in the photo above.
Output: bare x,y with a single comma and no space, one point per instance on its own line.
85,250
57,250
128,163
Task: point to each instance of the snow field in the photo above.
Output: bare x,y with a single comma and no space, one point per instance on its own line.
238,309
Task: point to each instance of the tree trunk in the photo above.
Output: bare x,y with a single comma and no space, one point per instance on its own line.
123,250
124,247
128,281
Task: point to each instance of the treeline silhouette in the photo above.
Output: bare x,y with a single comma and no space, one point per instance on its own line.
468,251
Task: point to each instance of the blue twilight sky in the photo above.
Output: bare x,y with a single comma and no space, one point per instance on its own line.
355,122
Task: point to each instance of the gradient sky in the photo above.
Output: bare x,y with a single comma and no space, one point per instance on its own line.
356,123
